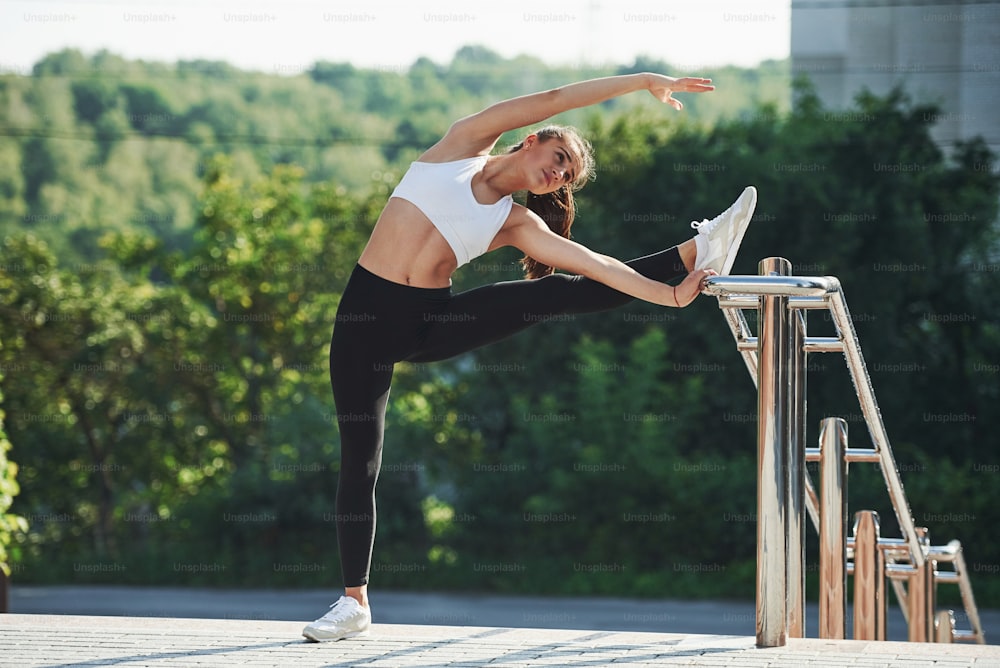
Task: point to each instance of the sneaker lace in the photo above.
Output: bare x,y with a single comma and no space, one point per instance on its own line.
339,611
706,223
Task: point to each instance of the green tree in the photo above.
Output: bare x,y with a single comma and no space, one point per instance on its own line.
10,523
84,399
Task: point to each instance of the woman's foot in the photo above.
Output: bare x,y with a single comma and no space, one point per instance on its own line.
346,619
718,240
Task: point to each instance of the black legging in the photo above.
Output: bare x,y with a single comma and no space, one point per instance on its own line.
380,323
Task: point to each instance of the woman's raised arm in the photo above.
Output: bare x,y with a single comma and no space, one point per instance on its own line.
485,127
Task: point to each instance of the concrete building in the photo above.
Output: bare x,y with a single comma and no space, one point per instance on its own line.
943,51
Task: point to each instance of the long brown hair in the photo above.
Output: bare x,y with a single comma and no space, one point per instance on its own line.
557,208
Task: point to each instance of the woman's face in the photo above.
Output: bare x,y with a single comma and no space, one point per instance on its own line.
549,164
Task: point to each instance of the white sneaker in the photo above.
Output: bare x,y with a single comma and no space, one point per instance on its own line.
723,234
346,619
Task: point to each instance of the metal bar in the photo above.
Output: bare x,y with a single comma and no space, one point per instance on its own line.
902,598
869,587
749,302
945,552
812,504
808,303
795,532
944,626
921,603
833,529
863,456
894,554
814,344
772,284
852,455
873,418
901,573
886,544
741,329
772,446
965,588
738,302
823,344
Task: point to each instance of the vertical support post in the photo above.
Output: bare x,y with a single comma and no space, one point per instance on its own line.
772,448
944,627
795,487
921,597
832,529
869,578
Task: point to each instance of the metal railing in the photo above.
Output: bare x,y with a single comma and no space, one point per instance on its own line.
776,360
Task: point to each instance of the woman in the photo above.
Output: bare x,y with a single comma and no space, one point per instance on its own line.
454,204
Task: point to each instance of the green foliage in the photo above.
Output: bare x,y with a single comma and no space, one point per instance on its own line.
218,357
589,492
10,524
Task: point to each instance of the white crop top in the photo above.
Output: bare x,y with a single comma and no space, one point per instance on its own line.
443,192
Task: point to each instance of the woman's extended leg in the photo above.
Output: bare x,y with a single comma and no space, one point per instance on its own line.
491,313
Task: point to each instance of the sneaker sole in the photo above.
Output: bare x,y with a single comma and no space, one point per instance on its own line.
318,637
731,256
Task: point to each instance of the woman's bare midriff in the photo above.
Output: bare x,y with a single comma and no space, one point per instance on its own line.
406,248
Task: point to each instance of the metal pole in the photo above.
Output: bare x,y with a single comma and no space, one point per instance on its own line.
772,446
795,525
832,529
921,597
944,627
869,578
920,592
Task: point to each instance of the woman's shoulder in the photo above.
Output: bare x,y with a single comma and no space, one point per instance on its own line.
438,160
442,155
454,146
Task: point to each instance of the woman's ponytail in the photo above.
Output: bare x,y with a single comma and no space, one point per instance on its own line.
557,210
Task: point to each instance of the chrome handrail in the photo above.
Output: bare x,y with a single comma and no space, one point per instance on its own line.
779,605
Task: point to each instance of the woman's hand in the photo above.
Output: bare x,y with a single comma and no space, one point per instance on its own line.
663,87
691,286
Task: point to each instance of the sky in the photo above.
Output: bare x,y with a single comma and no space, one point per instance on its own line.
288,36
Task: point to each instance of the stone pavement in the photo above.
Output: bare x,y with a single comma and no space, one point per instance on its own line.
53,641
700,617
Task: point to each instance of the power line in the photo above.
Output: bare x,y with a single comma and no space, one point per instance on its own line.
252,140
244,139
